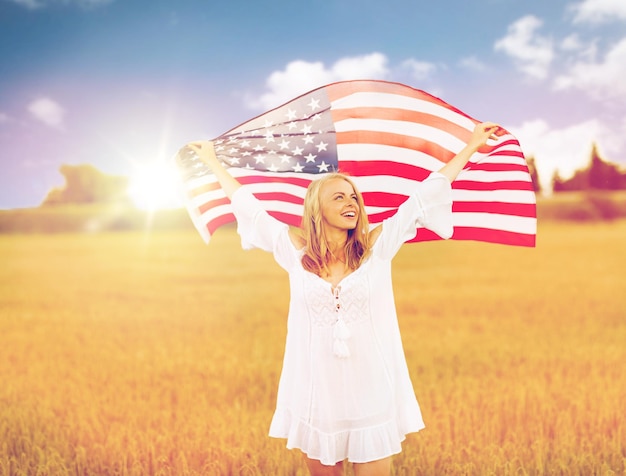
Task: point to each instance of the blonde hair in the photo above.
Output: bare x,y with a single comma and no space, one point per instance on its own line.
317,253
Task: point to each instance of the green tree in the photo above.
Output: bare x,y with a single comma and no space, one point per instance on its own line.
598,175
534,175
86,184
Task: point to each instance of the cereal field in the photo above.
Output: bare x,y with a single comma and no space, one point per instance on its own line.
145,354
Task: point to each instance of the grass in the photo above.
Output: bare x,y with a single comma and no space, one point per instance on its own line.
137,353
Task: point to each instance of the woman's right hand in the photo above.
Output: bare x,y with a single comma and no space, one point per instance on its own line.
205,150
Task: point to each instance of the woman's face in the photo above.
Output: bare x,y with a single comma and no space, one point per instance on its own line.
339,204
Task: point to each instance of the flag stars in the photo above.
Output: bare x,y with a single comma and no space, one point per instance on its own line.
306,129
323,167
297,151
291,115
321,146
260,159
314,104
310,158
284,144
297,167
269,136
308,139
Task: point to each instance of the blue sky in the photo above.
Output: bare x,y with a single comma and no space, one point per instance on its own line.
122,84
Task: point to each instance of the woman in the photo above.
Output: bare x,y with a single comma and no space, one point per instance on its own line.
345,391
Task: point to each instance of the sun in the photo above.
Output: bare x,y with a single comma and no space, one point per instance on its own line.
154,187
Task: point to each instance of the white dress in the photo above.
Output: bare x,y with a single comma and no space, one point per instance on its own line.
345,390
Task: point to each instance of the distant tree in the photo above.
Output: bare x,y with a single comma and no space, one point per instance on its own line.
532,169
602,174
598,175
86,184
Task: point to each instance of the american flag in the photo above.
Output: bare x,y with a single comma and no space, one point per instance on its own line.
386,136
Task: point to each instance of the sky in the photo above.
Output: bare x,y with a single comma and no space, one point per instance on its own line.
123,84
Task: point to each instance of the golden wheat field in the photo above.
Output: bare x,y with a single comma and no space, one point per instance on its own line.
153,354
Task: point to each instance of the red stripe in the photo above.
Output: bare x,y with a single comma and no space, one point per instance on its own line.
481,234
369,168
395,140
383,199
250,179
497,167
206,206
219,221
339,90
404,115
507,153
204,188
261,178
280,197
288,218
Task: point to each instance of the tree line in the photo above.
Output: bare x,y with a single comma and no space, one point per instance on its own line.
599,174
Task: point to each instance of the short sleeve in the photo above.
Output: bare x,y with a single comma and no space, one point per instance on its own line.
258,229
429,206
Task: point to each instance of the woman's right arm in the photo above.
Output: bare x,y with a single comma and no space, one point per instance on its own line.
206,152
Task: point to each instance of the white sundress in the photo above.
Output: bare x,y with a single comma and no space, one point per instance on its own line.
345,390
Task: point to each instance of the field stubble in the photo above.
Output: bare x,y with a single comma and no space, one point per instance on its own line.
137,353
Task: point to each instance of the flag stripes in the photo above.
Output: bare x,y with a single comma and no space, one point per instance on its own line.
387,136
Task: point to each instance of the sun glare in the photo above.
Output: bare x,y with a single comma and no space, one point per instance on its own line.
153,187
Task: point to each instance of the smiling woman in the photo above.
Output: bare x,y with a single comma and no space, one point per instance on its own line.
151,187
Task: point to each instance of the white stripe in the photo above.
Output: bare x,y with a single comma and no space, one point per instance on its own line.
397,101
498,159
206,197
504,196
382,153
495,221
198,182
411,129
483,176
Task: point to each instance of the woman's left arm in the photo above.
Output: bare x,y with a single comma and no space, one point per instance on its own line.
482,132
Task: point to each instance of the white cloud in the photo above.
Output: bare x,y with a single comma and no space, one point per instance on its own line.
599,11
301,76
531,52
473,64
571,43
47,111
35,4
600,79
419,69
567,149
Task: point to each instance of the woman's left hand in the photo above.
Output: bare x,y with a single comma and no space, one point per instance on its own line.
483,132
